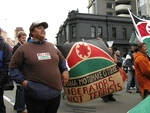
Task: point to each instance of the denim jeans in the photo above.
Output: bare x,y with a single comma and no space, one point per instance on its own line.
20,101
131,74
2,106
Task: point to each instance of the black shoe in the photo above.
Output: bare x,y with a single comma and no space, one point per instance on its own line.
15,107
105,99
111,99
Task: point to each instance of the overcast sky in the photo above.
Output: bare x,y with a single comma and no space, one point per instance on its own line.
21,13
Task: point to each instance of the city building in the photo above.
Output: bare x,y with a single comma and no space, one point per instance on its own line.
112,7
7,39
80,26
121,7
143,8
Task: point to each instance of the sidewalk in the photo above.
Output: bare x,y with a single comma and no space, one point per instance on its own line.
125,101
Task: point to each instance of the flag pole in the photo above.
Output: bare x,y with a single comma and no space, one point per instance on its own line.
138,35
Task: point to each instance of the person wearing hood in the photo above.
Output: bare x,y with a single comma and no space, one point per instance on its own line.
5,57
41,69
142,69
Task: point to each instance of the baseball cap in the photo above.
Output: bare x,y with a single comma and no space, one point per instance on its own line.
35,24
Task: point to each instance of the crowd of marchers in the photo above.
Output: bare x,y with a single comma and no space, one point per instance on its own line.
39,70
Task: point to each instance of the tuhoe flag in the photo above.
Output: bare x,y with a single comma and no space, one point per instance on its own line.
142,107
142,27
93,73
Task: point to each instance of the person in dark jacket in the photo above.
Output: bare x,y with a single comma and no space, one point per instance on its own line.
21,40
41,69
5,57
19,102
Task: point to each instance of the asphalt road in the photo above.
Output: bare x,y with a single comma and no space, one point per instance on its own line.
125,101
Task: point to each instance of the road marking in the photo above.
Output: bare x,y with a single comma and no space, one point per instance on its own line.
8,99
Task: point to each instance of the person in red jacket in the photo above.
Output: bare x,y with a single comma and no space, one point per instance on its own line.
142,69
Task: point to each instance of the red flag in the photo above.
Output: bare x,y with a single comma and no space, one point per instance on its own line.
142,27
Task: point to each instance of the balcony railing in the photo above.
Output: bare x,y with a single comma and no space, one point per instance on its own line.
123,15
122,1
122,7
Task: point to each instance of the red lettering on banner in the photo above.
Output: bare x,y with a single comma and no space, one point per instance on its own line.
75,99
96,84
79,92
120,88
73,91
85,90
91,89
105,91
101,85
110,80
111,89
98,89
105,83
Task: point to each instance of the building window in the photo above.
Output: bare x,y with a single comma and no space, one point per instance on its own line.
114,32
100,32
109,5
73,31
124,32
93,32
109,13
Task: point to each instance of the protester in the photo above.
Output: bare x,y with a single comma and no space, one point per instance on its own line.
110,96
41,69
131,72
142,69
20,102
119,60
5,57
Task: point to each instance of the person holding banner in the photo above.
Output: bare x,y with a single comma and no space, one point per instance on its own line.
142,69
110,96
41,69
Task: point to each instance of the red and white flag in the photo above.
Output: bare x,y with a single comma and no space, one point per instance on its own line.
142,27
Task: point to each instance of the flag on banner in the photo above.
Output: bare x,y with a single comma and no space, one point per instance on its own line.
142,27
93,72
142,107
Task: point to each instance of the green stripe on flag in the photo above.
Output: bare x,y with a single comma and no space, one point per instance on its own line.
147,41
89,66
142,107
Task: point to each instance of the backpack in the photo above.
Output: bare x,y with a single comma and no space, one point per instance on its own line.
124,66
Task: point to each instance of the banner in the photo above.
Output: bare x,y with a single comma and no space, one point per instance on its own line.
93,73
142,27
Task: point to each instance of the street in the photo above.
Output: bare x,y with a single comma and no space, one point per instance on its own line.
125,101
